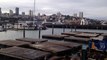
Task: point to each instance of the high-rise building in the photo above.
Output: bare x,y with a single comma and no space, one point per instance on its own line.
81,14
11,13
0,12
23,13
30,13
17,11
75,15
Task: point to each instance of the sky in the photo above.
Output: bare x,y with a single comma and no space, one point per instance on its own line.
96,9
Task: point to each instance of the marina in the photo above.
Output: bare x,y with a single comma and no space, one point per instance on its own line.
53,30
60,44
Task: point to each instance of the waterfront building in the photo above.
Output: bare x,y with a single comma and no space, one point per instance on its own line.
17,11
11,13
84,22
81,14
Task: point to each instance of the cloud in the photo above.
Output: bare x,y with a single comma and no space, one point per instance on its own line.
91,8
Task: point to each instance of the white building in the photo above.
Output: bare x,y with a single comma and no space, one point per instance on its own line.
84,22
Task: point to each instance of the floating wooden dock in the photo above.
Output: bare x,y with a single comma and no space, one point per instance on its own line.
18,53
86,35
70,33
77,39
53,48
58,37
31,40
75,47
90,32
10,43
78,32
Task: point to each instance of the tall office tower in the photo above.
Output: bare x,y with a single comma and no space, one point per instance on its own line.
81,14
75,15
30,13
17,11
11,13
23,13
0,12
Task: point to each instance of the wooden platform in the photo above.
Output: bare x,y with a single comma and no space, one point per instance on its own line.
31,40
58,37
75,47
53,48
77,39
18,53
66,44
70,33
90,32
10,43
86,35
82,33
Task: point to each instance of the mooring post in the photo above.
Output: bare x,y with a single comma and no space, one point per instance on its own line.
75,28
63,28
71,28
52,28
23,31
39,32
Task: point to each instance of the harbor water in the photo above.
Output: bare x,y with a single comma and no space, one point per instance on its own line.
12,34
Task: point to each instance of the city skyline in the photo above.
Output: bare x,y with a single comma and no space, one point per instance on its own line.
92,8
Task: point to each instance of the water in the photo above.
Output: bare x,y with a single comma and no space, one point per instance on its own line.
11,34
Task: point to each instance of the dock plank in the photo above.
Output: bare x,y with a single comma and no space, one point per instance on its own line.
53,48
66,44
23,53
58,37
31,40
70,33
77,39
75,47
13,43
86,35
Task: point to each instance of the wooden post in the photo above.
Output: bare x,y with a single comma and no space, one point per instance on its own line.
39,32
64,28
52,29
24,32
75,28
71,27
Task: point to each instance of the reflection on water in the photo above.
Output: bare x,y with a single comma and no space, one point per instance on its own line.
11,34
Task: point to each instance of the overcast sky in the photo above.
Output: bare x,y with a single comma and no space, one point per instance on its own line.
91,8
